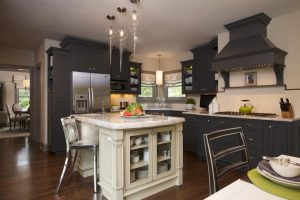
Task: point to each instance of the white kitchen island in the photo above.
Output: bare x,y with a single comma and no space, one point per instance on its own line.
137,157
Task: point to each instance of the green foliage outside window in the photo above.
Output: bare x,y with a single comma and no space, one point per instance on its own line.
146,91
24,98
175,91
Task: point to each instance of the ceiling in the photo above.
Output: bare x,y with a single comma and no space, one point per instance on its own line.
165,26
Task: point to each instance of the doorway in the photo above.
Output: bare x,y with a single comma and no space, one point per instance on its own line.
20,95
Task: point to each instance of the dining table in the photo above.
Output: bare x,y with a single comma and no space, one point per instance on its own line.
255,186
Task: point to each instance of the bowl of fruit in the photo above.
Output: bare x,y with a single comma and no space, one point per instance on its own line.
133,110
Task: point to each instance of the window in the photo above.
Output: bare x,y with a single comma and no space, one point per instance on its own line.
147,86
23,97
173,86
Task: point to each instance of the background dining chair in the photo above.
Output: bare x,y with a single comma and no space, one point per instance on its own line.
15,119
74,143
216,149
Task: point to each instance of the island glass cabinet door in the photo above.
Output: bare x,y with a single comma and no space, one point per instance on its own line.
138,155
164,152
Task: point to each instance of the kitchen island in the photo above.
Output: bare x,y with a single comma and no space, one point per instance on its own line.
138,157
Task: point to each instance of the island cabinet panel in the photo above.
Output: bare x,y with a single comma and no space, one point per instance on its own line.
263,137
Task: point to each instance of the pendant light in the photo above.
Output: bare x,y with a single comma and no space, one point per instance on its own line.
159,73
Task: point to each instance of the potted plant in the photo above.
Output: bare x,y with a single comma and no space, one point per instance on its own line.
189,103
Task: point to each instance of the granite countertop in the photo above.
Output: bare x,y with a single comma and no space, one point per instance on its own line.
275,118
169,109
115,121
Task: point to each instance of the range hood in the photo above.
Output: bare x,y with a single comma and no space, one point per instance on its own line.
249,48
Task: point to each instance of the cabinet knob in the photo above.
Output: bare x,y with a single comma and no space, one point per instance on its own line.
89,68
270,126
208,120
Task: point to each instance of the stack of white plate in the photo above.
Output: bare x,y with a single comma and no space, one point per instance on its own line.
285,178
278,179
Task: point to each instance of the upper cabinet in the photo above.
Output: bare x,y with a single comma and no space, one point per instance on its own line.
203,80
135,77
188,75
87,56
119,72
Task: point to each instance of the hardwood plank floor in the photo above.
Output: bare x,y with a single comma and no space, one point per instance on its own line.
28,173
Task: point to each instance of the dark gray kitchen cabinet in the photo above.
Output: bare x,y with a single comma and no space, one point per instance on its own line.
279,137
58,96
173,113
192,134
205,78
134,77
87,56
117,72
263,137
189,77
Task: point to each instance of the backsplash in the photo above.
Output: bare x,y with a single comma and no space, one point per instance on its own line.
263,99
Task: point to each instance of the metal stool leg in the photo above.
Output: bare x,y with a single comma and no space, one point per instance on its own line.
63,172
74,160
95,168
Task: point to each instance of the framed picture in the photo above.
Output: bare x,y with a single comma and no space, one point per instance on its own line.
251,78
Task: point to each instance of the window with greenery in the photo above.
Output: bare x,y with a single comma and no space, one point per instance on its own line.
173,86
23,97
147,86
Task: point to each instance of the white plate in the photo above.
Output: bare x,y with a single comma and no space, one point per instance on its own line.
136,117
277,179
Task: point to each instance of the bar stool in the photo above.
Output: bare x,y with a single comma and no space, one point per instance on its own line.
73,142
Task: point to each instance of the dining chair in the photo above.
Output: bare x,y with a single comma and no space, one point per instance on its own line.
13,120
74,143
216,149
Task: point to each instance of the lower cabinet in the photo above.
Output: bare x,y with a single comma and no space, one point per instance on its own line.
150,155
263,137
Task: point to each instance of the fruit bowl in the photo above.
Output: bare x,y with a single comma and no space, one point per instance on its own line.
133,110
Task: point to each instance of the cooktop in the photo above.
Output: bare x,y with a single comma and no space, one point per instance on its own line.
250,114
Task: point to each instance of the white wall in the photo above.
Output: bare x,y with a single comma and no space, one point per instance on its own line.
13,56
284,32
7,78
41,58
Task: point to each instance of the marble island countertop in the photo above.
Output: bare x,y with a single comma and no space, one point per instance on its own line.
116,121
271,118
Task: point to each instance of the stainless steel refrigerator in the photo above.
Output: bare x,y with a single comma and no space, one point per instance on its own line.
91,92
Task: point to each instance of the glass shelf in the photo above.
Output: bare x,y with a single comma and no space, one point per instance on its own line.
139,146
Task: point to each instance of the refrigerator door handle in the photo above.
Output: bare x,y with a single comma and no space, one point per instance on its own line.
89,101
92,99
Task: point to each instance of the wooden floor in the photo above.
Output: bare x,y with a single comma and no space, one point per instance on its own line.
28,173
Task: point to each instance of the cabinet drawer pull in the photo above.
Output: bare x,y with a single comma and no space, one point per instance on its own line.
208,120
270,126
249,125
251,139
222,122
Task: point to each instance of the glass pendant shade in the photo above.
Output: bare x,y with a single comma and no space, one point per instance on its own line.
159,77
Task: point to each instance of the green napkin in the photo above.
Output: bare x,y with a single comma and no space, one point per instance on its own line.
273,188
